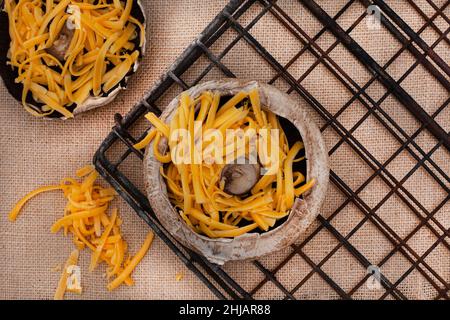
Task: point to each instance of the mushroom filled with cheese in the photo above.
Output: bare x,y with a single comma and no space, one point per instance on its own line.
63,57
239,178
235,169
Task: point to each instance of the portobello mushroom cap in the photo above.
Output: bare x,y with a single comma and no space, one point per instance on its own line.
15,89
250,245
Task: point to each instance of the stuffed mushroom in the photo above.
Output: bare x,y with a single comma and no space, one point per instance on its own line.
254,203
63,57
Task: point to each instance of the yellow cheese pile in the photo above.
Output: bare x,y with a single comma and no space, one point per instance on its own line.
100,54
195,189
86,218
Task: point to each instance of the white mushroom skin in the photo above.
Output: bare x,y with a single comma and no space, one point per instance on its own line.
238,179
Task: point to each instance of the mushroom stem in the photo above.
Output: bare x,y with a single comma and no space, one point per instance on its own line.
239,179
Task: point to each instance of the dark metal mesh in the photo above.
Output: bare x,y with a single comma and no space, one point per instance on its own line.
207,60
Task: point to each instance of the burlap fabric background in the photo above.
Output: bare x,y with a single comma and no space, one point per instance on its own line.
35,152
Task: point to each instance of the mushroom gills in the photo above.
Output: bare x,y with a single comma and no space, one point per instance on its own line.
62,43
239,179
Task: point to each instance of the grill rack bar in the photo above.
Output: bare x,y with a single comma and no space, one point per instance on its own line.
384,77
215,277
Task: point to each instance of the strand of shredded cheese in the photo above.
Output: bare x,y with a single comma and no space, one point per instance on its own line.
288,181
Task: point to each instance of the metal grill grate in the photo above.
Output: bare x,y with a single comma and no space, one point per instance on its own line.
204,59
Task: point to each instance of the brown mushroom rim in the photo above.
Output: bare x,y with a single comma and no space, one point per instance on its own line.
250,245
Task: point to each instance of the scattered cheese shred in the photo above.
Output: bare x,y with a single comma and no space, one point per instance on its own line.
133,263
102,242
86,218
16,210
62,284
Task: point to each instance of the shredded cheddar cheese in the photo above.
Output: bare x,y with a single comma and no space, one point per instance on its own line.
125,273
86,218
195,188
100,50
19,205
